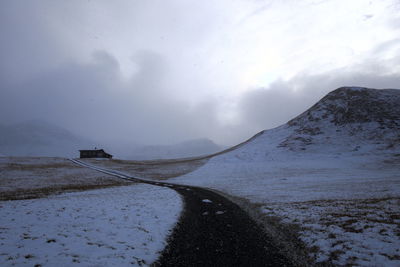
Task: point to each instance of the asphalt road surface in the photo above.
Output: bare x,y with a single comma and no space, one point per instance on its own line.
212,231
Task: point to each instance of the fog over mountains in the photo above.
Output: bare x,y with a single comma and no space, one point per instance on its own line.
190,148
39,138
347,119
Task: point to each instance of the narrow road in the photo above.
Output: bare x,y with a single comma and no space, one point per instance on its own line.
212,231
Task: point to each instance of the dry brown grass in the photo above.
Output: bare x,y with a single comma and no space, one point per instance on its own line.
26,178
14,166
158,170
46,191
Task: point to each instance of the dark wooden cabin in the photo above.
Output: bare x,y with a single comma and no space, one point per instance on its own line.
96,153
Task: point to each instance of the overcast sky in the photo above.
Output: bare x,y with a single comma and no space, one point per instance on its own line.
165,71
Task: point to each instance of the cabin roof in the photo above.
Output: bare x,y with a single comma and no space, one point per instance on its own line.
97,150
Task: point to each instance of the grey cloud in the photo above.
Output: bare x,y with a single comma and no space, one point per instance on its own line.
26,48
269,107
390,45
93,100
45,73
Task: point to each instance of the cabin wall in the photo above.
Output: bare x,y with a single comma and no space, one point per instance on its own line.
94,154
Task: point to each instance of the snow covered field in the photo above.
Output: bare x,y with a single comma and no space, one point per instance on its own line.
45,224
117,226
348,215
334,171
344,197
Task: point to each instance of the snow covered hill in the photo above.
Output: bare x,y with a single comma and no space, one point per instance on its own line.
38,138
334,170
358,115
347,120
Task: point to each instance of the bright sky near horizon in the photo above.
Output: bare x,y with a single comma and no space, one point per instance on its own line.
166,71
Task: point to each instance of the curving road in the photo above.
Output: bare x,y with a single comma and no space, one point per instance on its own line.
212,231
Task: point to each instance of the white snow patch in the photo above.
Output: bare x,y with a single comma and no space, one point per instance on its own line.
109,227
349,232
206,201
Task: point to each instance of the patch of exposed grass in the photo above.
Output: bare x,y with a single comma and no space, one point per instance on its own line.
30,167
334,255
27,178
53,190
391,257
154,169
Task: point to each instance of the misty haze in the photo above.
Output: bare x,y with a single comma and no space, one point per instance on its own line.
200,133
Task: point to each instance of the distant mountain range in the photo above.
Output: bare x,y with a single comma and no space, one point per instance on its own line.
38,138
190,148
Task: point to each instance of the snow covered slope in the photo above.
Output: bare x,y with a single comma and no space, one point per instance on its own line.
347,120
315,171
357,115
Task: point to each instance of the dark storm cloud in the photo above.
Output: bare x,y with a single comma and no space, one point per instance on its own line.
93,100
